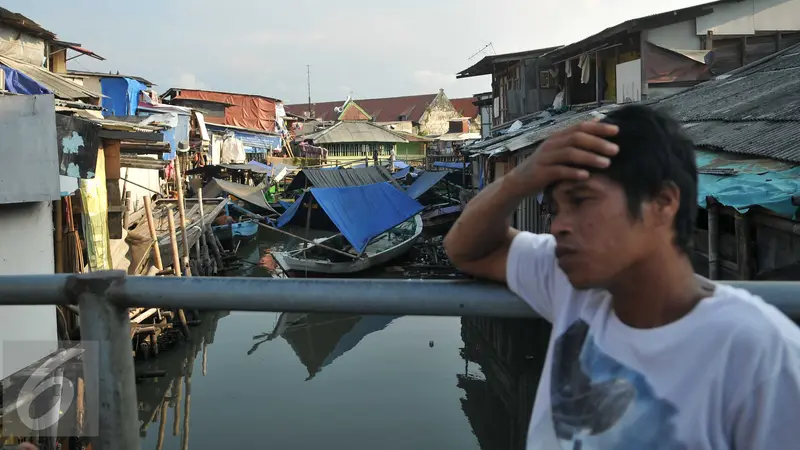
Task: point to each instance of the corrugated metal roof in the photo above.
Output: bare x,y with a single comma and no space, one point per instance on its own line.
753,111
341,178
353,132
534,132
60,86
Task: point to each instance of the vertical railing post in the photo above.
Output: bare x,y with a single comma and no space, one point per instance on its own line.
109,371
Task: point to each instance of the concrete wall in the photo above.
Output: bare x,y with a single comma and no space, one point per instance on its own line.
26,247
436,119
751,16
681,36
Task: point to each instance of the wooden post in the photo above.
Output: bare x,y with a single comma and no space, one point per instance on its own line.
182,212
744,256
203,243
713,238
176,263
709,44
126,215
59,236
309,204
597,66
148,210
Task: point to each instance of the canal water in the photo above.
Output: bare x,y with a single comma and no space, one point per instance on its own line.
311,381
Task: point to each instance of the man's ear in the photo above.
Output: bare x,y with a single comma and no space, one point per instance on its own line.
666,204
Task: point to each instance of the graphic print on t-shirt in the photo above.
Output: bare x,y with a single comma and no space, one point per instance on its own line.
598,403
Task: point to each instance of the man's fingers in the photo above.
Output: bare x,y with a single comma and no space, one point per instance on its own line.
573,156
593,127
585,141
566,173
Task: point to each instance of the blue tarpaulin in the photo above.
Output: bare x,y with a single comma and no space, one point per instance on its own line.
765,183
424,183
176,135
361,213
121,96
402,173
19,83
450,165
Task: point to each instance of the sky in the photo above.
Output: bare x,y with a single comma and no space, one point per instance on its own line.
363,48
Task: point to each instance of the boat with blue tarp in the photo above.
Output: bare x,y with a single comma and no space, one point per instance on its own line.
441,209
375,222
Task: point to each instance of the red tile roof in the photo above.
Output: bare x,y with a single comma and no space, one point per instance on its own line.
381,109
465,106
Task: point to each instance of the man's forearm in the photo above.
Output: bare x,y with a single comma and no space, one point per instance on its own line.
484,225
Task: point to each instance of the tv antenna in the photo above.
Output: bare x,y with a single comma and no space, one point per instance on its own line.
483,50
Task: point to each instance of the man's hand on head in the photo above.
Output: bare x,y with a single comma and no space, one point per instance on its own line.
566,155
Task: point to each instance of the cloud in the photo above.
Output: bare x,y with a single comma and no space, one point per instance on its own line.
189,81
431,80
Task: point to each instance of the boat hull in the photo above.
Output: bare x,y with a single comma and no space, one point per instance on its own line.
239,231
438,221
294,266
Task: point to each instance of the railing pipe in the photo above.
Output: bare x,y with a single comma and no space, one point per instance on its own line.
332,295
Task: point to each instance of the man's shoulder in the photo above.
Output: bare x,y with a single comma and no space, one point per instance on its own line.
751,324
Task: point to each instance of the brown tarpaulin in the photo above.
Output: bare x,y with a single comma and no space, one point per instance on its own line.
249,111
663,65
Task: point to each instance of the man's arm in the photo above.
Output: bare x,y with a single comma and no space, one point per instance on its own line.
479,241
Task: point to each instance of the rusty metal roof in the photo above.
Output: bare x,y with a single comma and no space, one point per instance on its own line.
465,107
323,178
381,109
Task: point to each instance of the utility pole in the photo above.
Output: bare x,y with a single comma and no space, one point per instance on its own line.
308,71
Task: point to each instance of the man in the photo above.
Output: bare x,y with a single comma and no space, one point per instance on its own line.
392,158
644,354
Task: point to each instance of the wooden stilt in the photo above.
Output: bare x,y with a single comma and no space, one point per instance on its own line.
176,265
148,210
182,213
59,236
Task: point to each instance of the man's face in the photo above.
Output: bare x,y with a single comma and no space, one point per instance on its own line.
597,238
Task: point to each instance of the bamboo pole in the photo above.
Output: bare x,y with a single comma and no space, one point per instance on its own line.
182,212
176,265
203,241
713,238
148,209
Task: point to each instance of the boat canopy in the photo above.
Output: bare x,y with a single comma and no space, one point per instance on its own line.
424,183
250,194
360,213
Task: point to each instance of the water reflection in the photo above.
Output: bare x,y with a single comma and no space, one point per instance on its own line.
319,339
501,390
174,390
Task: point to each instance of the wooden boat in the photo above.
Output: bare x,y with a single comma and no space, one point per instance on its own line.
320,260
438,219
244,231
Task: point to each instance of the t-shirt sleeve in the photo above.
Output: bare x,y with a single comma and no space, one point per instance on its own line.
531,271
767,417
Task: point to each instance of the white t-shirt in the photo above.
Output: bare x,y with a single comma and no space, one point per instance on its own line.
725,376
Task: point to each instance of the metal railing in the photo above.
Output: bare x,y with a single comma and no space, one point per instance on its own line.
104,299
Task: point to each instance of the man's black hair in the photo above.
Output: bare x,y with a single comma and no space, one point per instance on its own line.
654,151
